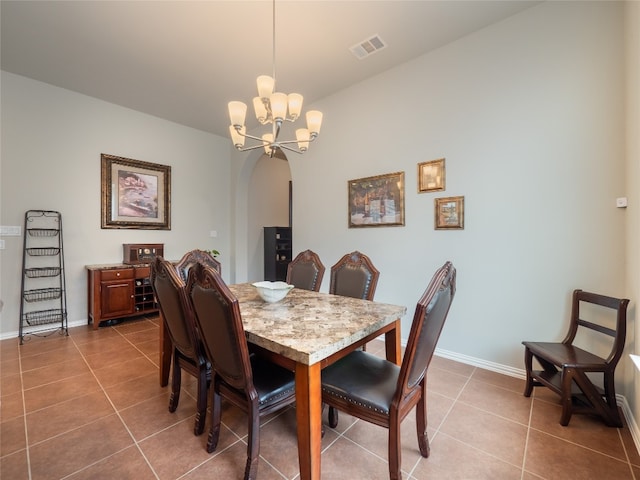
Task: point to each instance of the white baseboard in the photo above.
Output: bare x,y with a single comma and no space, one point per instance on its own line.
16,333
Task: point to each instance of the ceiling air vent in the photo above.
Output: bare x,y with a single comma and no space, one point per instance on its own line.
368,47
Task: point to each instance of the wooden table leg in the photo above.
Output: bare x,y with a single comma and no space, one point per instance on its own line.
392,344
309,418
165,353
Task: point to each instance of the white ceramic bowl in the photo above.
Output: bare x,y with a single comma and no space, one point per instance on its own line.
272,291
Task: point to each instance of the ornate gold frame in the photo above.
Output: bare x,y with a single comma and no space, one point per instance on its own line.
135,194
376,201
449,213
431,176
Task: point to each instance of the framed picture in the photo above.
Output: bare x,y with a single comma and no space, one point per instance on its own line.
135,194
376,201
431,176
449,213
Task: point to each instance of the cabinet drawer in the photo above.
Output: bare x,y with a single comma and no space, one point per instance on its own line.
142,272
116,274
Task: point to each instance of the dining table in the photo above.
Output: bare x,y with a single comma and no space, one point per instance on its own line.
305,332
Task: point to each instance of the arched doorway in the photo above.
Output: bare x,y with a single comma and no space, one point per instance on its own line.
262,199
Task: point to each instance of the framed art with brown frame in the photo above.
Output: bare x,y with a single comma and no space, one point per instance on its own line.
135,194
376,201
431,176
449,213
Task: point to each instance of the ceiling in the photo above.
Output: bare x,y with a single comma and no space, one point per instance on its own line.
184,60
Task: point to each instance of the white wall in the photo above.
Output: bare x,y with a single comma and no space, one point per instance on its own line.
632,43
51,145
529,114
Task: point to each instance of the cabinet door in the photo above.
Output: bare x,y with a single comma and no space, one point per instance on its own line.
116,298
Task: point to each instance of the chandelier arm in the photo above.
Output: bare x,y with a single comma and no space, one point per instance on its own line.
246,135
246,149
285,142
285,147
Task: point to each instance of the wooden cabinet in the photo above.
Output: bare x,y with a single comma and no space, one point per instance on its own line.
277,252
118,291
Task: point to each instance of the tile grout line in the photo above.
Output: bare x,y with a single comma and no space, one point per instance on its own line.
24,416
526,440
116,411
626,454
444,418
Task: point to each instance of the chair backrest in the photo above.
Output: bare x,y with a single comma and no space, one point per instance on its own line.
306,271
618,333
354,276
190,259
217,315
171,297
428,320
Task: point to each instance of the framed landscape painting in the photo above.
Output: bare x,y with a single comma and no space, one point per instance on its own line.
135,194
376,201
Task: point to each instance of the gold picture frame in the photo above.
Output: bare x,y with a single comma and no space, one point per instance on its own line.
431,176
135,194
376,201
449,213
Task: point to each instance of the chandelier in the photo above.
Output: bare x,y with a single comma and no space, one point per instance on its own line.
273,108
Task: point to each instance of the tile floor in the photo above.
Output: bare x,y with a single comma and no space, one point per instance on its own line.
89,406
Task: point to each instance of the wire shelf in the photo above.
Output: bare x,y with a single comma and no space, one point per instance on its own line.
40,294
42,272
42,317
43,232
41,252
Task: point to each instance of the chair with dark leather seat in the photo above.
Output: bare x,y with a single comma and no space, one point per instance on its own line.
192,258
188,351
252,383
354,276
565,366
306,271
380,392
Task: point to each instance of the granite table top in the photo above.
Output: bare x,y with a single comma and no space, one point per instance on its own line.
307,326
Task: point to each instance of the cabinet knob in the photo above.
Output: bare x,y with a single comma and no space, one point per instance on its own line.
117,274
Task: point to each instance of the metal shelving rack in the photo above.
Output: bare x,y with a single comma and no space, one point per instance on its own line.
43,309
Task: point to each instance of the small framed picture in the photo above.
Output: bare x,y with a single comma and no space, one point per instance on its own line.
449,213
431,176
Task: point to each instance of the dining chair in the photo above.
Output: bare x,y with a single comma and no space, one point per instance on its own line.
352,276
379,391
193,257
565,365
252,383
188,352
306,271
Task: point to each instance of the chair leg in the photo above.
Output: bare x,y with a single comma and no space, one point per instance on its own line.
216,414
610,395
253,443
421,422
565,400
333,417
201,402
528,363
395,454
175,384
